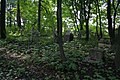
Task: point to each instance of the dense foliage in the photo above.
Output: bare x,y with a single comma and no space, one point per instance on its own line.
20,62
59,40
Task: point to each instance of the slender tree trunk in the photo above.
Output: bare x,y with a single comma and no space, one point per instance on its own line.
10,17
39,14
87,21
18,15
2,20
75,15
10,22
81,16
59,28
97,23
101,34
114,15
110,30
87,29
116,37
85,18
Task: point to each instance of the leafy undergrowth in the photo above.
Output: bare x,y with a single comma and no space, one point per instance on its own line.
24,61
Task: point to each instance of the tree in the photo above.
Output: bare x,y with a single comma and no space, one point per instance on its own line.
116,37
39,14
10,15
110,29
99,11
98,14
97,18
100,23
75,10
59,28
2,20
81,15
18,14
114,15
87,16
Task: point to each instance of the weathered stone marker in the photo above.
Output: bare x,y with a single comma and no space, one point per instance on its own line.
68,36
95,55
2,50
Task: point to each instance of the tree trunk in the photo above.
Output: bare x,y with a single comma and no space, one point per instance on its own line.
39,15
76,17
116,37
110,30
18,15
10,16
87,29
101,34
114,16
87,21
2,20
97,22
59,28
81,16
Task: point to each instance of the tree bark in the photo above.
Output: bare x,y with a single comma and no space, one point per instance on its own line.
114,15
110,30
81,16
18,15
2,20
59,29
39,14
87,29
87,20
97,21
116,37
10,18
101,34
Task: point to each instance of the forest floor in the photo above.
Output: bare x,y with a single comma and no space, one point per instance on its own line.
24,61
